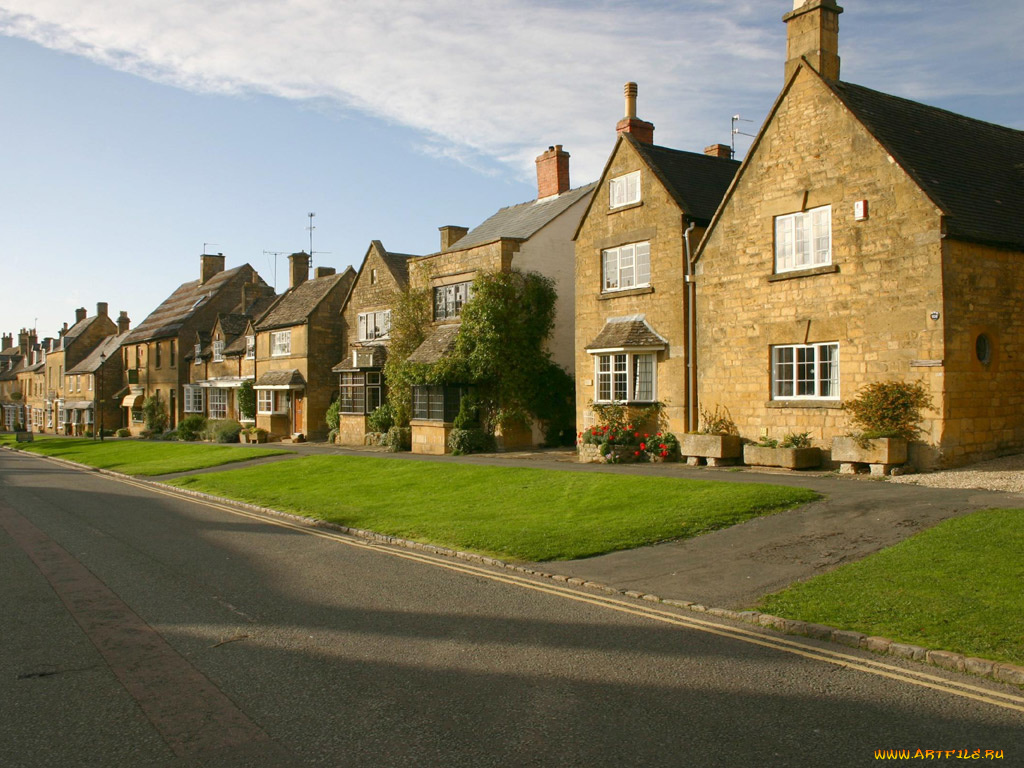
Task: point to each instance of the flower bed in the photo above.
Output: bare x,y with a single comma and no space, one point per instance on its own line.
604,444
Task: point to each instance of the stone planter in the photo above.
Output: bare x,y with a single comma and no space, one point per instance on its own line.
715,450
787,458
591,454
881,454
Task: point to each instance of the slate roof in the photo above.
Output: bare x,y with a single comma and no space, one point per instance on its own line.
79,328
523,220
379,356
108,347
438,343
626,332
973,170
296,305
281,379
398,264
697,182
176,309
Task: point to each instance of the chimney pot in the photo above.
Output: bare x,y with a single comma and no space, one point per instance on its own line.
80,314
298,269
552,172
123,323
641,130
451,234
719,150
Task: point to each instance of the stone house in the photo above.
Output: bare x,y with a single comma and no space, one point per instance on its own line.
13,360
66,404
634,303
298,340
153,353
366,318
535,236
866,238
96,381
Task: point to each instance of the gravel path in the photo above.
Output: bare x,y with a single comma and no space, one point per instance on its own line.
1005,474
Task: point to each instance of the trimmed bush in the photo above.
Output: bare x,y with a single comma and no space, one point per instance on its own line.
222,431
191,427
382,419
124,432
472,440
399,439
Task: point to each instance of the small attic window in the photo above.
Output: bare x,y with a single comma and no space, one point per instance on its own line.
200,300
373,277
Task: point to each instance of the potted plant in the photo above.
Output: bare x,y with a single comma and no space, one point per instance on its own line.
888,413
794,451
716,442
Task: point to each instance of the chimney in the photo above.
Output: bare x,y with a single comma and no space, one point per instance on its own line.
210,265
812,32
641,130
123,323
23,342
323,272
298,269
450,235
80,314
719,150
552,172
101,308
8,341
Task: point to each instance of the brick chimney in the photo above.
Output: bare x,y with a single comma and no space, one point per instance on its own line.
123,323
101,308
298,269
8,341
719,150
450,235
640,130
323,272
552,172
812,32
25,340
210,264
80,314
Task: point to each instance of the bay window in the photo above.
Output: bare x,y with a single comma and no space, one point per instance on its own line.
360,392
623,377
218,403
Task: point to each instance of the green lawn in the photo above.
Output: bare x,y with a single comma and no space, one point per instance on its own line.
958,586
512,513
138,457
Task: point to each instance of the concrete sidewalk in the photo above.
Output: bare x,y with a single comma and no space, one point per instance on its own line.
734,567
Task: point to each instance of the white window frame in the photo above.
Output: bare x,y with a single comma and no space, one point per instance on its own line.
280,343
218,351
626,267
193,397
199,354
217,403
624,190
803,240
264,401
374,325
250,347
805,371
626,376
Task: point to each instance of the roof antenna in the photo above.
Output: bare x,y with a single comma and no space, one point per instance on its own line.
275,254
311,227
207,245
736,131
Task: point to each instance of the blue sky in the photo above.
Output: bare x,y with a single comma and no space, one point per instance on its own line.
136,131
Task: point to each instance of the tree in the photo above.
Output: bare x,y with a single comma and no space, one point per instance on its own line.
247,400
153,414
410,319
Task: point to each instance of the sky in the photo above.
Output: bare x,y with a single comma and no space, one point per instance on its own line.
138,133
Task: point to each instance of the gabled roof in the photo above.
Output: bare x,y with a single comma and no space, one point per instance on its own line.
631,332
296,305
522,221
439,342
397,263
79,328
107,347
972,170
176,309
697,182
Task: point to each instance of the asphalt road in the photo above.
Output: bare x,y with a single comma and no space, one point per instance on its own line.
142,628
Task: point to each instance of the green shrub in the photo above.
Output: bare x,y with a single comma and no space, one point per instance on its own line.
192,427
889,409
246,401
717,422
332,417
382,419
399,439
169,435
468,416
332,436
154,415
223,431
796,440
124,432
472,440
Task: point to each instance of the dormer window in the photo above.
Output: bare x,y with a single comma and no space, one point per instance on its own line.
218,351
624,190
199,354
250,347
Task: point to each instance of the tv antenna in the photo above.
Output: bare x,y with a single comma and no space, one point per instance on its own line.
207,245
734,131
275,254
311,227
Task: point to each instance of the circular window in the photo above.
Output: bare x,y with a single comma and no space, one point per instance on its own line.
983,349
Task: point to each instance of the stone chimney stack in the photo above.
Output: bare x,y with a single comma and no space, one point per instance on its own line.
451,234
719,150
552,172
80,314
101,308
8,341
323,272
209,265
640,130
298,268
123,323
25,341
812,33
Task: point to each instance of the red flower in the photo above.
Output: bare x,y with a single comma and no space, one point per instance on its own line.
604,428
664,454
643,446
636,434
636,453
659,434
647,434
662,446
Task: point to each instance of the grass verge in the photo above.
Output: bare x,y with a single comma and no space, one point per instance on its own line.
956,587
138,457
512,513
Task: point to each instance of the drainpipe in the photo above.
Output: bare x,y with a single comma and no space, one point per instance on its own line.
691,335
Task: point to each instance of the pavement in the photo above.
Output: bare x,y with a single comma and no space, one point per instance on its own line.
734,567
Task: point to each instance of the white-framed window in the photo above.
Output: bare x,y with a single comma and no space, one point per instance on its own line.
199,354
250,347
804,239
624,190
280,343
265,400
374,325
218,351
805,372
626,377
448,299
628,266
193,399
91,377
218,403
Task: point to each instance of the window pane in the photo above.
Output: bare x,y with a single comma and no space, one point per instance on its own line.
610,268
643,377
626,267
620,379
782,370
643,264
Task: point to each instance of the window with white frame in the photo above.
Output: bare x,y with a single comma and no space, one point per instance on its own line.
218,403
218,351
374,325
626,377
193,399
199,354
265,400
448,299
805,372
250,347
280,343
628,266
624,190
803,239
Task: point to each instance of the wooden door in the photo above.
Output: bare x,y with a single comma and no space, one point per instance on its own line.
298,414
